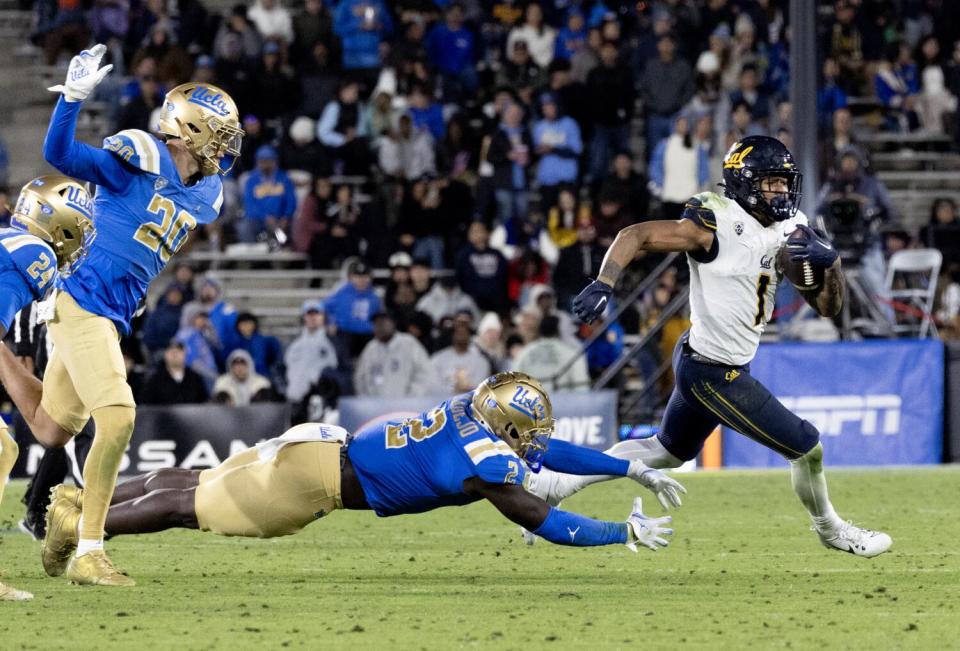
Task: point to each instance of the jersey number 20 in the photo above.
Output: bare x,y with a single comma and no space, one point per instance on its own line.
168,236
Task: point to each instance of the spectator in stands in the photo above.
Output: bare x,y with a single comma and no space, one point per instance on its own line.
66,32
446,299
564,216
344,237
254,138
310,353
841,138
222,315
352,305
420,226
421,279
174,65
556,139
898,86
666,85
341,129
544,298
935,98
611,93
572,37
851,180
749,92
610,218
362,26
527,325
519,70
425,112
742,124
451,48
200,343
135,114
276,88
319,80
680,166
205,70
310,223
510,155
578,263
399,264
269,200
461,366
943,231
241,385
393,364
540,38
515,236
172,381
524,272
482,271
628,184
236,31
380,118
265,350
831,97
548,358
489,340
162,323
606,350
272,20
313,26
300,150
406,152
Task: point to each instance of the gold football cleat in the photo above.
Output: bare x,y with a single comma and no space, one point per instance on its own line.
73,494
95,568
61,539
9,593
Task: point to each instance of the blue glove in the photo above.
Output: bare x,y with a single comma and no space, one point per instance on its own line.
813,248
592,301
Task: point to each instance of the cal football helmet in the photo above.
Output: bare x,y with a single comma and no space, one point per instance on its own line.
516,408
753,159
59,211
207,121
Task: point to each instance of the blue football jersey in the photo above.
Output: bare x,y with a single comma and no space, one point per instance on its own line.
419,464
28,266
141,221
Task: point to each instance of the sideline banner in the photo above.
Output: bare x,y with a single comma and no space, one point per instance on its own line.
584,418
185,436
874,402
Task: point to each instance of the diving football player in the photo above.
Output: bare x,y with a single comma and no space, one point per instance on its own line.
480,445
50,225
151,193
732,242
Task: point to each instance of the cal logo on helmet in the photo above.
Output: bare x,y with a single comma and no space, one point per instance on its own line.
734,159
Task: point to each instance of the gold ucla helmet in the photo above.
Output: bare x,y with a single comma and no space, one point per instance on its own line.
516,408
59,211
207,121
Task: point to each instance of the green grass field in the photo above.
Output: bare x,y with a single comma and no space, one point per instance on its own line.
743,571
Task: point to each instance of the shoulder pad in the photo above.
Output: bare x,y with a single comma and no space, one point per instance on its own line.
495,461
27,242
138,148
699,213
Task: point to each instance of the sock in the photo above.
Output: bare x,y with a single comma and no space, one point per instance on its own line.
810,485
8,456
649,450
114,427
86,546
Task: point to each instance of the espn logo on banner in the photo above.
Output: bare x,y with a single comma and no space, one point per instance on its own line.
835,415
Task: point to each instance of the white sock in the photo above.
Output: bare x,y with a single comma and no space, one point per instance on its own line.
86,546
810,485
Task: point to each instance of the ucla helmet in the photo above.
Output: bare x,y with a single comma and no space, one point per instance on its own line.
59,211
753,159
517,409
207,121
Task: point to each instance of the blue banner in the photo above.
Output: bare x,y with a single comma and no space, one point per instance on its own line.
588,419
874,402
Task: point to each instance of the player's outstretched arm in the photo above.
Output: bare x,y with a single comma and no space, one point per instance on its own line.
566,528
662,236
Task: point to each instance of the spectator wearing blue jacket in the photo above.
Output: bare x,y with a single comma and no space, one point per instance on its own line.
269,199
265,350
556,139
201,344
425,113
451,48
830,96
898,85
362,25
162,324
351,308
572,37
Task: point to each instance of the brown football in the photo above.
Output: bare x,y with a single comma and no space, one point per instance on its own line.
803,275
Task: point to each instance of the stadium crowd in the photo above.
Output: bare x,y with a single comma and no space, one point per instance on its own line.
487,153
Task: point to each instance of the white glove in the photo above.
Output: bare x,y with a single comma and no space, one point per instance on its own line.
83,74
666,489
645,531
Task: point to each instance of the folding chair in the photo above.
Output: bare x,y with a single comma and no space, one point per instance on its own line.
922,269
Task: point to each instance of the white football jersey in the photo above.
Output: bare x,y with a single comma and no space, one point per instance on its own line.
732,287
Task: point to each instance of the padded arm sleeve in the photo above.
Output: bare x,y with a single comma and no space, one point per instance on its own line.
576,460
78,159
565,528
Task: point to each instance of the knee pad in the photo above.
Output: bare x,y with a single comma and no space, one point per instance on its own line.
115,422
809,440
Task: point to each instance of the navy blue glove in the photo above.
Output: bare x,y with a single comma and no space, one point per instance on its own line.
813,248
592,301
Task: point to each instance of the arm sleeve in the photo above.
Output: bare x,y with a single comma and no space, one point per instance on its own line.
565,528
562,456
328,122
78,159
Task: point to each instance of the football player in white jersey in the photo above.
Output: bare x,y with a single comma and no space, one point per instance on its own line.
731,242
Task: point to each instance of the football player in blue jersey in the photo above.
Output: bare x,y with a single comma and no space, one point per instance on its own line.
150,194
50,226
484,444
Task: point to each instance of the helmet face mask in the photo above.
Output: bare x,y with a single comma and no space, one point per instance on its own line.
59,211
205,118
747,164
516,408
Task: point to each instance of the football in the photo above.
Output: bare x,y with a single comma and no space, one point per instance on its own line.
803,275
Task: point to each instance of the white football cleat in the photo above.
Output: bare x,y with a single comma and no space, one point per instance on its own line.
9,593
854,540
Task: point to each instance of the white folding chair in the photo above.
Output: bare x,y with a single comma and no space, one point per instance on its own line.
919,288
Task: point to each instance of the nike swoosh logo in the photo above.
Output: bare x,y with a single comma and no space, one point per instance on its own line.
602,303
